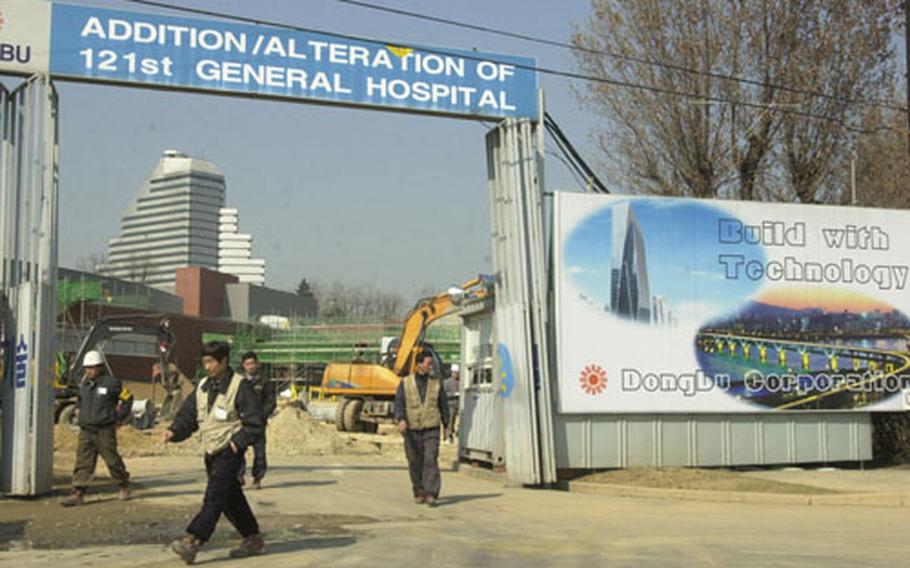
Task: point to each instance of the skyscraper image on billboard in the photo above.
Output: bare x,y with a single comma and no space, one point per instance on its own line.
654,262
630,294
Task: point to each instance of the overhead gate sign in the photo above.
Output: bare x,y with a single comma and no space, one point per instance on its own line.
680,305
135,48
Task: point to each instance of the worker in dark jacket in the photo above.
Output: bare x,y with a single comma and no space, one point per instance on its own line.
266,391
103,403
421,409
227,412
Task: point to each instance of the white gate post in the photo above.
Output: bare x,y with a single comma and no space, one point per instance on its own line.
28,302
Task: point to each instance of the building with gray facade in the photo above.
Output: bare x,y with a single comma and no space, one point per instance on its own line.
246,302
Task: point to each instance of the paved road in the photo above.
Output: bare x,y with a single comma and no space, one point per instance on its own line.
328,512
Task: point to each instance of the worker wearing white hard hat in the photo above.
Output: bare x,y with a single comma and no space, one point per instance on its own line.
103,403
91,360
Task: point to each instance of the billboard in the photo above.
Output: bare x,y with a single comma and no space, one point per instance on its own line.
681,305
24,36
136,48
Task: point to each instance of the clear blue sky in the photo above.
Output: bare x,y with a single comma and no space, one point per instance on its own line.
393,200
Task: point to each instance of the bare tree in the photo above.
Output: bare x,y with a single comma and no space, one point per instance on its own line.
843,48
706,135
339,300
882,163
93,262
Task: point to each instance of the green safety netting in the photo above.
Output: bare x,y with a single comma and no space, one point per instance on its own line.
333,340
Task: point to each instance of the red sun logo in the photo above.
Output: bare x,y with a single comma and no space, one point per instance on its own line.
593,379
1,20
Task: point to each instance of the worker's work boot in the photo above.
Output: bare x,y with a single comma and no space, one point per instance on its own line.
186,548
74,499
420,500
125,493
252,545
431,501
257,483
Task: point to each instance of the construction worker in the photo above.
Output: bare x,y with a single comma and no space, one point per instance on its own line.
452,386
421,409
103,403
226,410
266,391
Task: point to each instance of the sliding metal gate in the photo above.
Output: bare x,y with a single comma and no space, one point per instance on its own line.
515,166
28,243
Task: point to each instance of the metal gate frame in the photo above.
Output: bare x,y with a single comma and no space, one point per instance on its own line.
28,241
515,170
29,178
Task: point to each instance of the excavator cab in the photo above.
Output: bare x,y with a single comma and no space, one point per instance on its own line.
68,373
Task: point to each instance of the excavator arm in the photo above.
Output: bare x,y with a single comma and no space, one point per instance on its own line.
431,309
108,327
366,391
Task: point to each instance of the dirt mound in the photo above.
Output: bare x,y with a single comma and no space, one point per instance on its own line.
698,479
292,432
132,443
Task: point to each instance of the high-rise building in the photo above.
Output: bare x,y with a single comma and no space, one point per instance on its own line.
235,250
659,310
172,222
630,294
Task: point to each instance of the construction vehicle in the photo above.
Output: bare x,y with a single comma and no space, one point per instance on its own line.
172,382
366,391
67,378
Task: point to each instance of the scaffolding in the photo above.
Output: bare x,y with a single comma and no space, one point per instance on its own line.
301,351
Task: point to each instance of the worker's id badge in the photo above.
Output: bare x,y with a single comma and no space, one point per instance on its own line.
220,414
102,391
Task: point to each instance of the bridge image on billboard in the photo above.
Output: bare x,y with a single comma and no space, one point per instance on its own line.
809,349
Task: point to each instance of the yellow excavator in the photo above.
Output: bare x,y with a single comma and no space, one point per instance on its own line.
366,391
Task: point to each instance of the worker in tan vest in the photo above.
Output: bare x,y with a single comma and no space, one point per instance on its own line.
421,410
227,412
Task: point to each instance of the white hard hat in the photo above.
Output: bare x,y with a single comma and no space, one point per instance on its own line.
92,359
454,367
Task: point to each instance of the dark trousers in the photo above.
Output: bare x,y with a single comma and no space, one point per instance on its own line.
223,494
422,450
259,462
93,443
453,420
